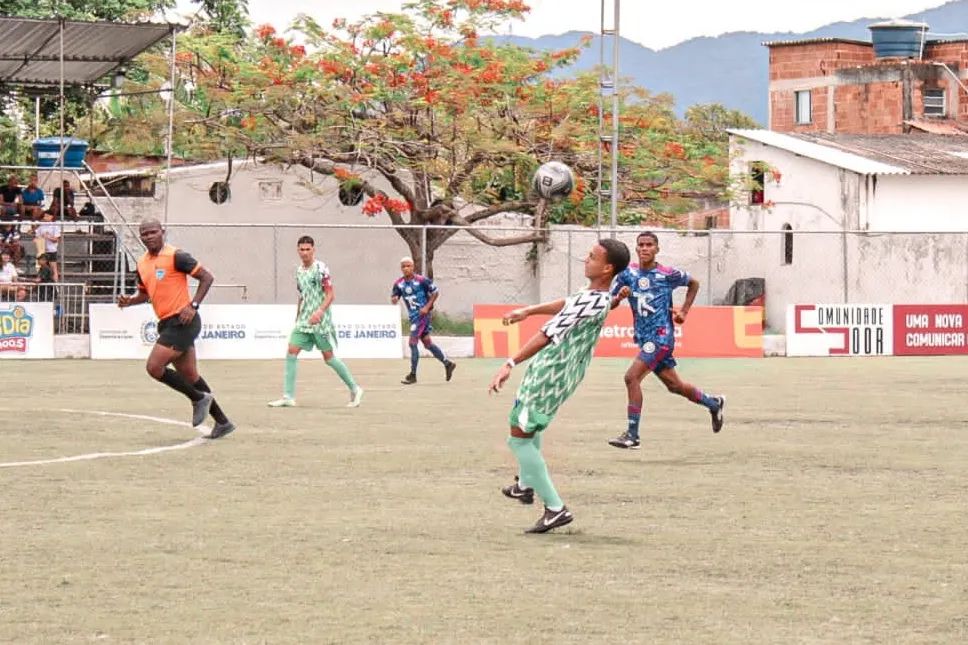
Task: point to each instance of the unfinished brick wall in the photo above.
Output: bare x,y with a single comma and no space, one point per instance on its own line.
868,92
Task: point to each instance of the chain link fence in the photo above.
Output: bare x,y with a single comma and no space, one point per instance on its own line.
255,263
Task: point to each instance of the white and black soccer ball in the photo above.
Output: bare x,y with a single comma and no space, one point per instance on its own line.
553,180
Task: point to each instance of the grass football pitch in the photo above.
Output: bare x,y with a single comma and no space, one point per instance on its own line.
832,508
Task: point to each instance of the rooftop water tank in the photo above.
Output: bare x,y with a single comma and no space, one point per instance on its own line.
898,38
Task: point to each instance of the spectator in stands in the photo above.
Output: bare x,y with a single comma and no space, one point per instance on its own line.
69,211
45,276
33,199
11,196
47,237
10,241
8,274
21,295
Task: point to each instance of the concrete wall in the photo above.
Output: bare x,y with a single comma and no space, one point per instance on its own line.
827,266
364,260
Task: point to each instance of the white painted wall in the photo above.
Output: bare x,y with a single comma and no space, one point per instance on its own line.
920,203
879,268
364,260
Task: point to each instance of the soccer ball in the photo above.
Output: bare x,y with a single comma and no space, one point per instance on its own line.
553,180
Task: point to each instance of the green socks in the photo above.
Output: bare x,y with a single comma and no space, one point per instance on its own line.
289,385
533,470
343,372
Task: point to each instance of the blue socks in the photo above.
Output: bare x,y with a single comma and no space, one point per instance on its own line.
414,358
438,353
635,414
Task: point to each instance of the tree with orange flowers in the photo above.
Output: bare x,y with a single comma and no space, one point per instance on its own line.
451,124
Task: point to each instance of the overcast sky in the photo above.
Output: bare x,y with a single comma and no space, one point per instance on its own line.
649,22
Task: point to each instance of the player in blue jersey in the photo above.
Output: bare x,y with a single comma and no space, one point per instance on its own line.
648,287
418,294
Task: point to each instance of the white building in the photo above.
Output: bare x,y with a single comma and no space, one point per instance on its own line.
851,218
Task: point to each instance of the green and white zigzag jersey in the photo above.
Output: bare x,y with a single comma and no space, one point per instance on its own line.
310,282
555,372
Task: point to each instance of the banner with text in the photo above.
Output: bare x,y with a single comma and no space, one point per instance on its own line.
26,330
839,330
246,331
925,330
708,332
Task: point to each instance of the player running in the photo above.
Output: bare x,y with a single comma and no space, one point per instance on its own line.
163,279
419,294
314,325
649,286
562,350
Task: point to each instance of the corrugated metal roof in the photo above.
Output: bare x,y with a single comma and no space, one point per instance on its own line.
938,126
814,41
820,152
866,154
30,49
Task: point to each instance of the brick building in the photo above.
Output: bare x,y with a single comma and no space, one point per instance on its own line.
836,85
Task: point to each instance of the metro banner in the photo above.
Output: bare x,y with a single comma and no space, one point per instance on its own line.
930,330
709,332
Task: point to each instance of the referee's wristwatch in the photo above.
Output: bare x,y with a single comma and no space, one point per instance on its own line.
194,305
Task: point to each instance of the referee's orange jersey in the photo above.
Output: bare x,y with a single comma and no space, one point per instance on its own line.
164,277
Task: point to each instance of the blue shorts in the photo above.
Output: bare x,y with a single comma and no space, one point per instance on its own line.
656,356
420,327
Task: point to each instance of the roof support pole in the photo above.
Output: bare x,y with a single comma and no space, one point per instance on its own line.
63,147
170,139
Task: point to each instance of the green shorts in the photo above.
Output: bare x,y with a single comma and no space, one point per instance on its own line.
527,419
307,340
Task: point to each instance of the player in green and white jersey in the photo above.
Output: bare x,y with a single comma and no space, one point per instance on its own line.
314,325
562,350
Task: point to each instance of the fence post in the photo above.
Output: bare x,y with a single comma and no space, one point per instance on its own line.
275,264
568,262
423,249
846,293
709,268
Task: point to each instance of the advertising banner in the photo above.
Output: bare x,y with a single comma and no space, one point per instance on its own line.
26,330
709,332
926,330
839,330
246,331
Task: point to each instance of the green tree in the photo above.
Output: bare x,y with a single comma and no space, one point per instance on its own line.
84,9
454,124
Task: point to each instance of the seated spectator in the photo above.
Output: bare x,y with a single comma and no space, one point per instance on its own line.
21,295
33,199
45,276
8,274
11,199
47,237
10,241
69,211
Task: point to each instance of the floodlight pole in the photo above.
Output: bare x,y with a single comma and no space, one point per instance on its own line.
170,141
608,85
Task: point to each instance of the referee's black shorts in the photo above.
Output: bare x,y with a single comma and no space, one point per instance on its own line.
171,333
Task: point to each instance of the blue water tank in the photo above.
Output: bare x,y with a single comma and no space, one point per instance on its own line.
47,152
898,38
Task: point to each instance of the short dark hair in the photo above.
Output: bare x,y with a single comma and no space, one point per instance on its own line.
616,254
305,239
655,238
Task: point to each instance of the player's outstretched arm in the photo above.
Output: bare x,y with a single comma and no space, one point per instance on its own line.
544,309
622,294
534,345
